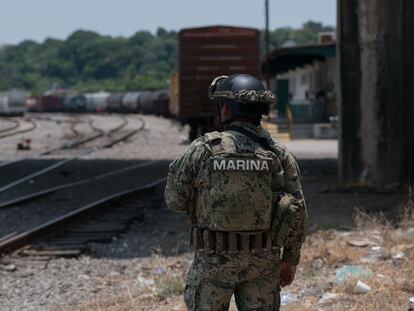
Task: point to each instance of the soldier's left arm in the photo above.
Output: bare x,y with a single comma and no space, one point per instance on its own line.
182,175
297,232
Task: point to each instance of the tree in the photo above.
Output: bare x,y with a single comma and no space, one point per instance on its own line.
88,61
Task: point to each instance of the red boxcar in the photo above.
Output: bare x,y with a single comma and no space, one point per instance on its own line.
205,53
50,103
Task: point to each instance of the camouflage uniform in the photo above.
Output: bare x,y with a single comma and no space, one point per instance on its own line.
253,277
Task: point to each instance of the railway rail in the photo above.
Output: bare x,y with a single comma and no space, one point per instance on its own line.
10,128
32,126
25,241
74,120
99,133
37,194
12,240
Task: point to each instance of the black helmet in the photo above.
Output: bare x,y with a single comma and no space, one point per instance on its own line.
245,94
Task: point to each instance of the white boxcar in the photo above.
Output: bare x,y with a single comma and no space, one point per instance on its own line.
13,102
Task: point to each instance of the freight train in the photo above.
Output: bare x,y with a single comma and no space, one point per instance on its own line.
203,54
148,102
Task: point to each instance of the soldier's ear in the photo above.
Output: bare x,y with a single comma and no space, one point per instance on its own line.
225,111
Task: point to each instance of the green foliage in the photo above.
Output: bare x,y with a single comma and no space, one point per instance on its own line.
89,62
308,34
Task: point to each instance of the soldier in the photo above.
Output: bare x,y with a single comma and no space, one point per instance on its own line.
243,194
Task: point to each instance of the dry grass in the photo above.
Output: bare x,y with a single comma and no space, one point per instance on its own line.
391,282
160,285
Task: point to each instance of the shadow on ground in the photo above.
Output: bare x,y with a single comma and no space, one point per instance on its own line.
157,230
164,232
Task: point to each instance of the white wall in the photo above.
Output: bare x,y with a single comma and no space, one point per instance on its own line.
310,79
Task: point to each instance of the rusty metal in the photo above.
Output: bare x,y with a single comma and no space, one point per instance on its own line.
205,53
72,184
62,222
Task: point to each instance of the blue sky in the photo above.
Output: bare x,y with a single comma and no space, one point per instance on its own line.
39,19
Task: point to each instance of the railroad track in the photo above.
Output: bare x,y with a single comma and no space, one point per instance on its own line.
7,242
10,128
74,120
69,234
32,126
99,133
43,192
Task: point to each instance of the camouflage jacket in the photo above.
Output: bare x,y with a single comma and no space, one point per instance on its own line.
184,172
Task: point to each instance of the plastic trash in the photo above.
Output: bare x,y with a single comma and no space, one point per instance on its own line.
362,288
159,270
328,297
141,281
375,254
318,263
343,273
398,258
287,298
360,243
411,304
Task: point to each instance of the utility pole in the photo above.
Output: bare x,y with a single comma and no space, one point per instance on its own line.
267,37
267,27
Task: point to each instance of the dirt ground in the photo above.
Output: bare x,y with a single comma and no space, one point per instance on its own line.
145,268
351,260
367,268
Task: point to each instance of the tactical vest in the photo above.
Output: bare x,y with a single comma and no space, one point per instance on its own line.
234,193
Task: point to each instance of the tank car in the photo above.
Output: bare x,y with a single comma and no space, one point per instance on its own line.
160,103
114,102
96,102
74,103
145,102
130,101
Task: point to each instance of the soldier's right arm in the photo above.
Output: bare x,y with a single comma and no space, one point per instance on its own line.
182,176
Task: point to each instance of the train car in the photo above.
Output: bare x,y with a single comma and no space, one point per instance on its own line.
205,53
160,102
13,102
49,103
146,102
74,103
114,102
96,102
130,101
32,104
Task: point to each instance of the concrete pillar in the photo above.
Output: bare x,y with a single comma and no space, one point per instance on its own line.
375,72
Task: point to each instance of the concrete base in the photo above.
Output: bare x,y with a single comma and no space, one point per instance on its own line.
301,131
325,131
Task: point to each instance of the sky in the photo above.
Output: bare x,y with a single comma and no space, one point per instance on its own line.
40,19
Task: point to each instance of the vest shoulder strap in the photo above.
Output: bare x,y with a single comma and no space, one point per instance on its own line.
263,142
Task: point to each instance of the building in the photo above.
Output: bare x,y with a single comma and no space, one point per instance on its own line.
303,78
303,75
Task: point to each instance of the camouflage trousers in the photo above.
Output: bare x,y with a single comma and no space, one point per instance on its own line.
253,279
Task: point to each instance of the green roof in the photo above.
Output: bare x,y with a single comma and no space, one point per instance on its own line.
285,59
